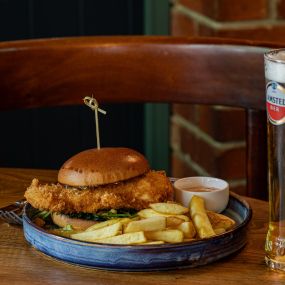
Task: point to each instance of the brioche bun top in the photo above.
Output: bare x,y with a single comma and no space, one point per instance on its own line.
95,167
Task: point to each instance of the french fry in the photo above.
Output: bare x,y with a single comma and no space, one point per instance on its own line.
105,232
173,222
219,231
130,238
102,225
188,229
204,232
220,221
125,221
148,213
200,218
169,208
149,224
171,236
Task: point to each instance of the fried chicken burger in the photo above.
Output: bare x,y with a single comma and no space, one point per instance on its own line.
99,184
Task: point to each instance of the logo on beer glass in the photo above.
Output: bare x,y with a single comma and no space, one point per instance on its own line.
275,103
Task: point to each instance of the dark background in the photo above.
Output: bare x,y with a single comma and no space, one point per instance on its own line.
45,138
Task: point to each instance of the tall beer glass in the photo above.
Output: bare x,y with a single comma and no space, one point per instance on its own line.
275,105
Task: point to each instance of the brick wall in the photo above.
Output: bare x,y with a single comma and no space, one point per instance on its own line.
210,140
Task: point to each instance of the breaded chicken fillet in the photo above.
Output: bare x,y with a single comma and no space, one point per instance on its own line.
135,193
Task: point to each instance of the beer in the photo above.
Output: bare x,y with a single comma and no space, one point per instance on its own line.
275,106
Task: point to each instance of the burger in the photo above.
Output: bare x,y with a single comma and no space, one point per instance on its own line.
99,184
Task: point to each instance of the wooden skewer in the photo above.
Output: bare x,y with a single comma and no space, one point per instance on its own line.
93,104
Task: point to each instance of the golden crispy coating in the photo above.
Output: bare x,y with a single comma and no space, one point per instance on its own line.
136,193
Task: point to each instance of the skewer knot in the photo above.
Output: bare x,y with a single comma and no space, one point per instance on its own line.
93,104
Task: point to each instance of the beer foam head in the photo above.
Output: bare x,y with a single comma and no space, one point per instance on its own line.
275,65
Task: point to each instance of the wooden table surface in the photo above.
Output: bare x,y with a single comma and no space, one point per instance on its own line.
22,264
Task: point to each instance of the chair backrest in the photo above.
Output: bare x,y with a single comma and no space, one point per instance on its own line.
54,72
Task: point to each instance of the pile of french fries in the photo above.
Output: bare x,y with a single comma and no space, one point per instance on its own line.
161,223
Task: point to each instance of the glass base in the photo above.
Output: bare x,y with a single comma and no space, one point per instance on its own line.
274,264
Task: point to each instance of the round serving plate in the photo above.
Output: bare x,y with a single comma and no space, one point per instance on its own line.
143,257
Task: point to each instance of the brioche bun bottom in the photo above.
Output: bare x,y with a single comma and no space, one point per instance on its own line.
62,221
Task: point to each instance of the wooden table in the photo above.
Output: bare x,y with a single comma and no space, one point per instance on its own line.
22,264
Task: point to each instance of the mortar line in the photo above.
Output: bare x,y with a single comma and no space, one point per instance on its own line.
237,182
272,9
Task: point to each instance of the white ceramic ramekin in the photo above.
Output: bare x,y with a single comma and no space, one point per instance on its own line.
215,200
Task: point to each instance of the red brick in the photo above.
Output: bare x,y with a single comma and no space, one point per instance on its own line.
241,190
175,138
227,124
229,164
181,25
199,152
205,31
205,7
281,9
229,10
180,168
186,111
239,10
222,124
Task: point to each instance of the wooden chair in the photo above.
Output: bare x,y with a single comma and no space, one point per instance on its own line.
54,72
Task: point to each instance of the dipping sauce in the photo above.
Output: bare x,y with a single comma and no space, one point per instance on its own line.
200,189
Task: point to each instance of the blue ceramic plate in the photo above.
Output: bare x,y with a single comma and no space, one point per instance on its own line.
143,257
